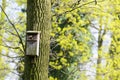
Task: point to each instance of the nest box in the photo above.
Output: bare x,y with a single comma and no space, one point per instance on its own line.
32,43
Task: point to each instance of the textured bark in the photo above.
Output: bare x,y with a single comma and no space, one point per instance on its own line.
38,19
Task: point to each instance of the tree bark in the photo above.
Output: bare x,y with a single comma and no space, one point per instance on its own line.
38,19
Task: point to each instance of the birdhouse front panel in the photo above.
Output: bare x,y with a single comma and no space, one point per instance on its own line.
33,39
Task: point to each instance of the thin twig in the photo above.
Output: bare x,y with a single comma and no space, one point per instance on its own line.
12,47
12,57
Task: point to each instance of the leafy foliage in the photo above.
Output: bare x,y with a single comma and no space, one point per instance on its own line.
70,42
4,69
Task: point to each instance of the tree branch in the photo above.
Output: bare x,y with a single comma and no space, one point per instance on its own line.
94,1
13,27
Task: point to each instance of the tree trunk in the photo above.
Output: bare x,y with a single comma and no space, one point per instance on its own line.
38,19
99,75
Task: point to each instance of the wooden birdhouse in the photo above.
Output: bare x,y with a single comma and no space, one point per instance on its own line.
32,42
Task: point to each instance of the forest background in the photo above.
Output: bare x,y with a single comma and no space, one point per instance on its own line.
85,40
